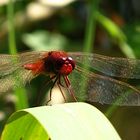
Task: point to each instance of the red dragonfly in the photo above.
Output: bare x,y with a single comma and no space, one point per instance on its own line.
66,70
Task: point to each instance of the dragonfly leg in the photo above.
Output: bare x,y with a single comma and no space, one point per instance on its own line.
38,98
59,85
50,93
69,88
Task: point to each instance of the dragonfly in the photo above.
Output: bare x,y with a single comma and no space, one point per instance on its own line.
66,71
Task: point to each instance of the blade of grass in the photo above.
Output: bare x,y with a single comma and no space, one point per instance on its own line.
90,26
89,36
11,33
116,33
19,92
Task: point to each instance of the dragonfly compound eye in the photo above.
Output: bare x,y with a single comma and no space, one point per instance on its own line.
64,65
59,63
71,61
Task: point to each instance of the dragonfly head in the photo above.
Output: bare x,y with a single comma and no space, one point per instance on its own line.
59,63
64,65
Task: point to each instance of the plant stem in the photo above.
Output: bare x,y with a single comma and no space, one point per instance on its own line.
91,26
19,92
10,15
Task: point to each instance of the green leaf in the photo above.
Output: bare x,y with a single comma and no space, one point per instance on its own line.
113,30
43,40
116,33
71,121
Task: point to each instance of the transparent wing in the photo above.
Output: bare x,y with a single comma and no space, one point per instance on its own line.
92,87
112,66
17,79
9,63
12,74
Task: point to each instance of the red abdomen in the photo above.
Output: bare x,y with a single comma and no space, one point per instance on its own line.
37,67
